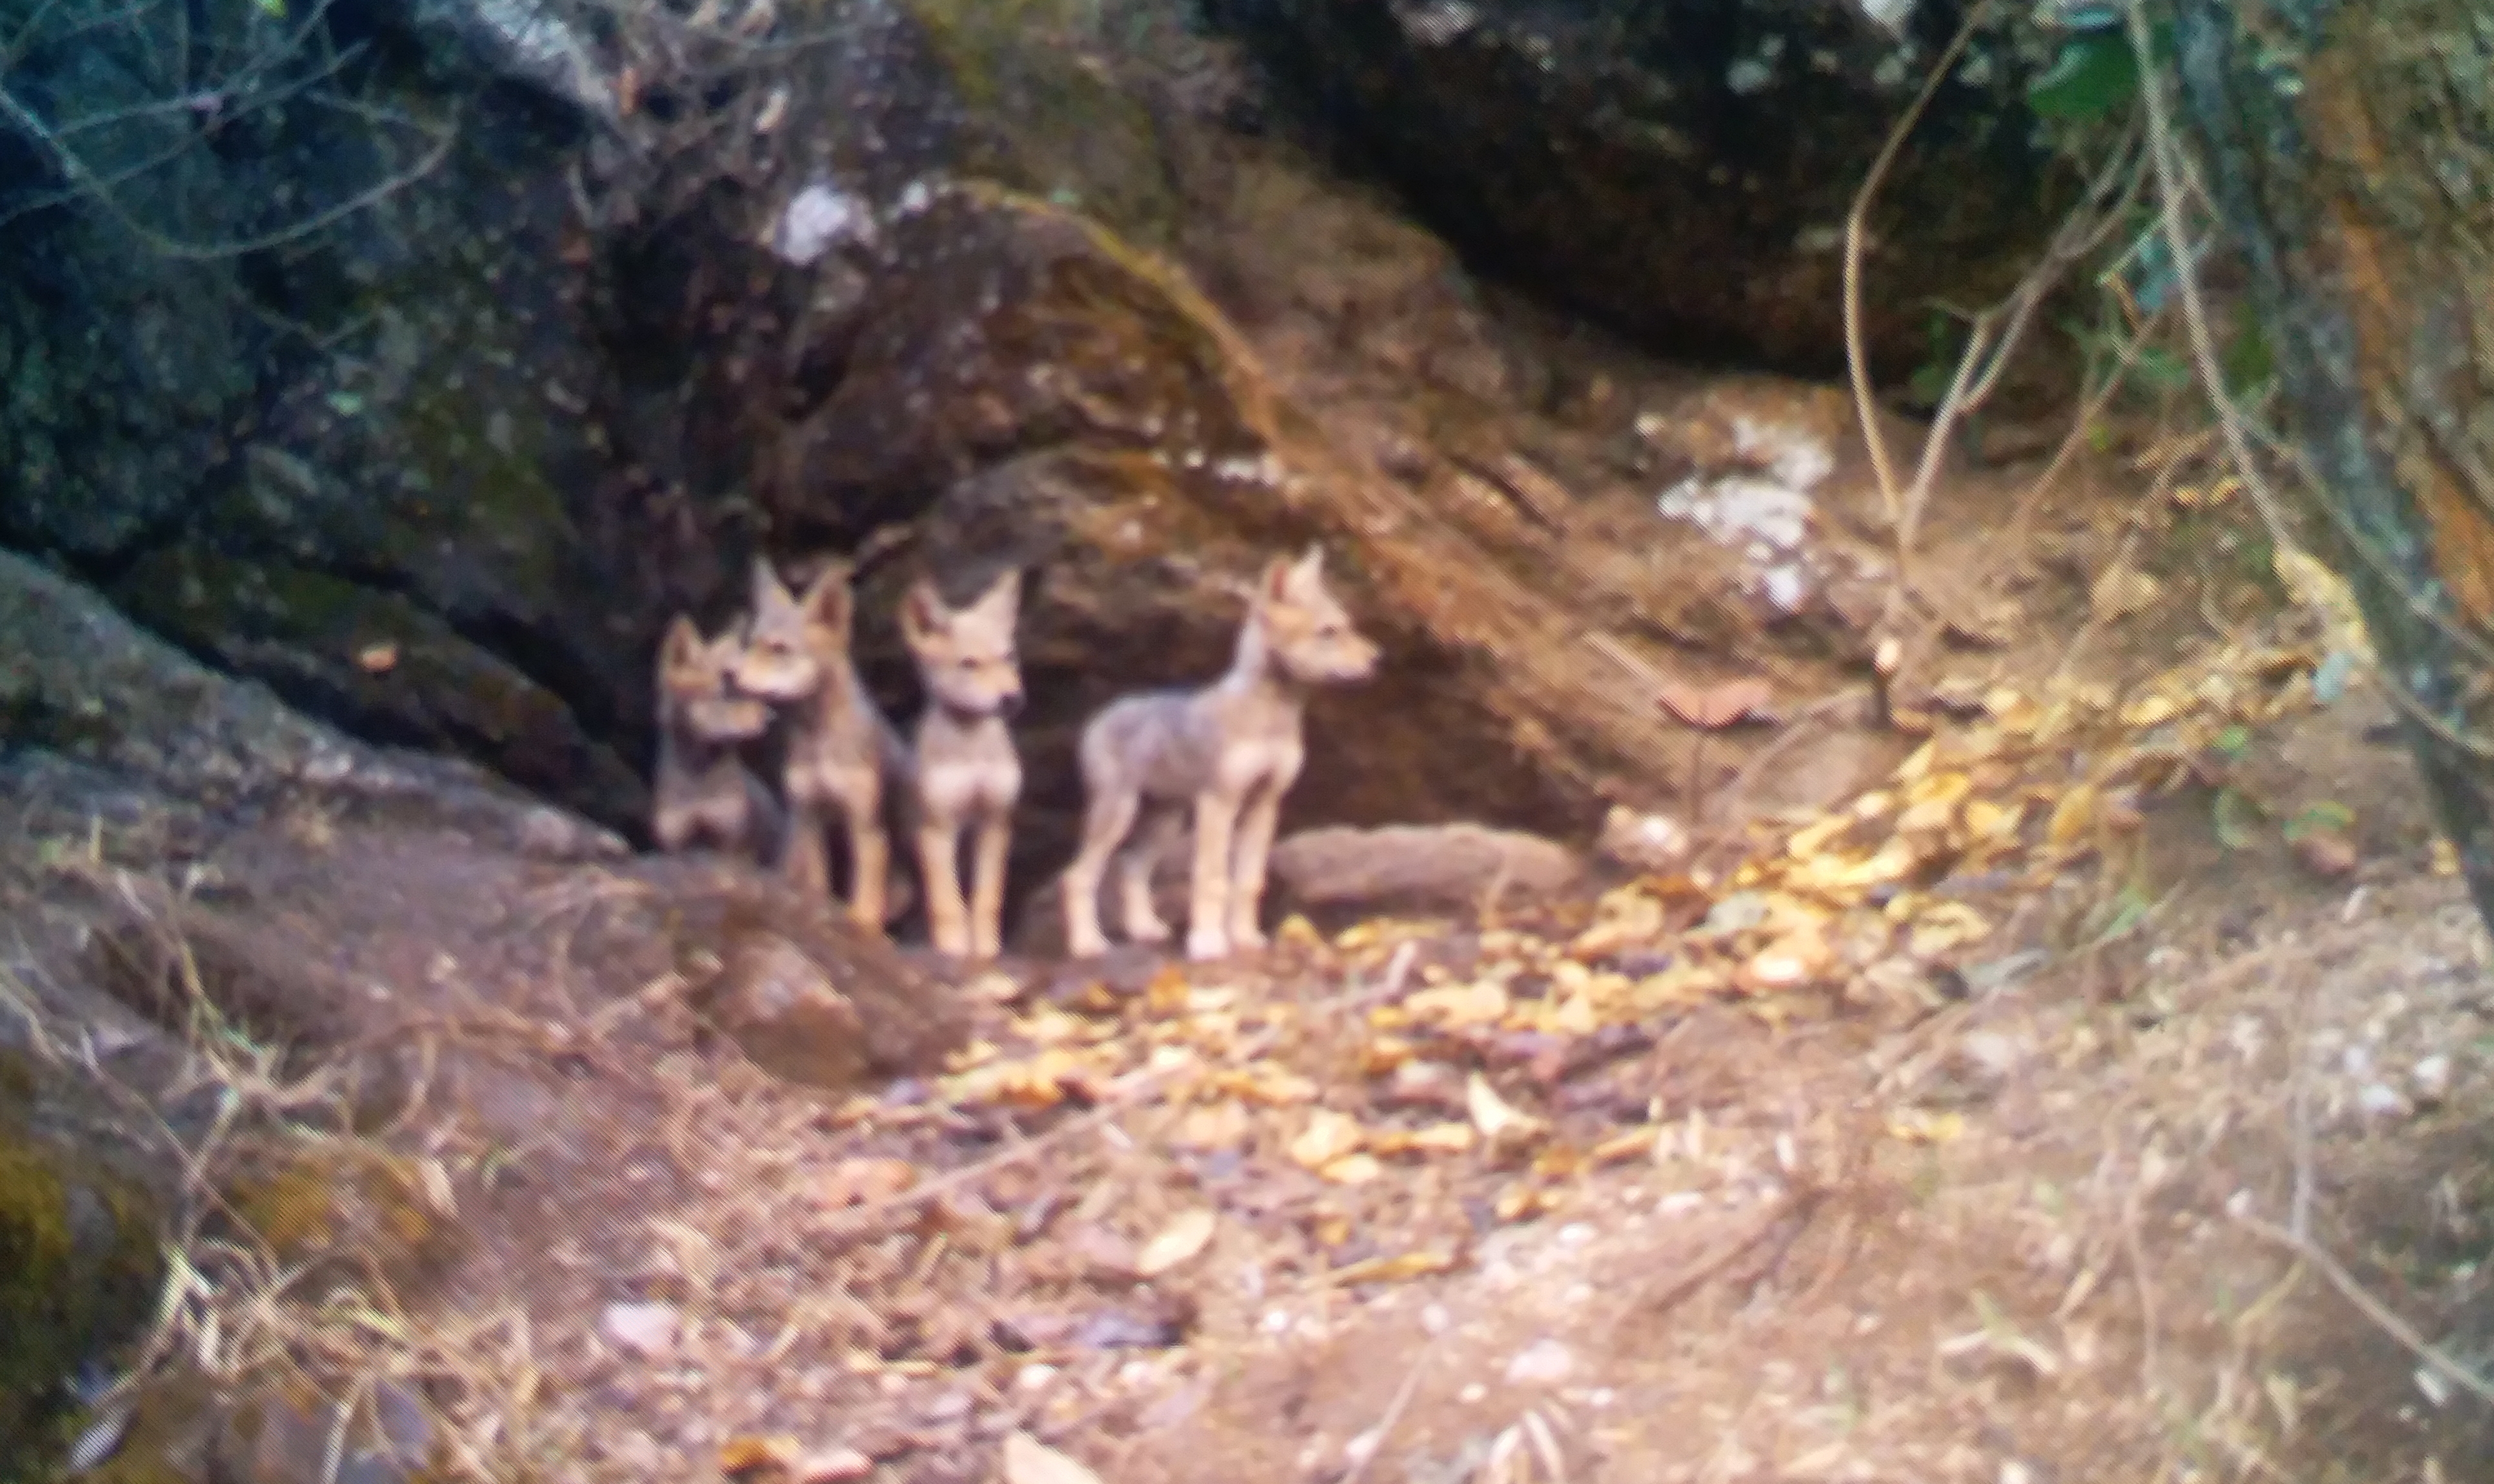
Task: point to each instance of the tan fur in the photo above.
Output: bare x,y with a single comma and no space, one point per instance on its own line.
842,751
1230,749
963,772
703,793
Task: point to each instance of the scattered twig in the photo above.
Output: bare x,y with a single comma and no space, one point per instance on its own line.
2134,1248
2310,1252
1384,1428
1856,355
1795,1209
1800,725
2164,152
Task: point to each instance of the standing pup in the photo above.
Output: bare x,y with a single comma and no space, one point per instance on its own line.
964,773
703,790
1232,749
840,749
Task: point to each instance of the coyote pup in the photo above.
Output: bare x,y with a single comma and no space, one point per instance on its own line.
703,790
840,749
963,771
1232,749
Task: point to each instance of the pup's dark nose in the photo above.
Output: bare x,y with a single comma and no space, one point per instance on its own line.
1009,705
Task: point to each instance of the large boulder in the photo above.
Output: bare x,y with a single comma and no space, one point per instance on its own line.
1683,169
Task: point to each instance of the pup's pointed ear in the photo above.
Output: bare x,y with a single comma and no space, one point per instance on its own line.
1274,586
1003,596
769,592
683,648
828,603
922,612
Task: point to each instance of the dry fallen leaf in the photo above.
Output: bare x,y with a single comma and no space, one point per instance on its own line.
1495,1117
2121,592
864,1181
2072,816
1436,1139
1167,994
1214,1126
1482,1002
1711,707
1179,1241
830,1465
2327,852
1029,1461
1402,1267
749,1455
1919,1125
1353,1169
1328,1136
1635,1143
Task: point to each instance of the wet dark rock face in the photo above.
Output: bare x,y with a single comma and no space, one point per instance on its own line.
349,461
1683,169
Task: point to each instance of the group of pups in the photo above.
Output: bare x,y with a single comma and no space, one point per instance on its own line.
1224,754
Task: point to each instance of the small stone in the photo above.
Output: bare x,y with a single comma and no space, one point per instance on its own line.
2431,1078
2379,1100
647,1330
1472,1392
1990,1053
830,1465
1434,1319
1544,1363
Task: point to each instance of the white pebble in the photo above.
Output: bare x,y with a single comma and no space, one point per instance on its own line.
1434,1319
647,1330
2432,1076
2381,1101
1544,1363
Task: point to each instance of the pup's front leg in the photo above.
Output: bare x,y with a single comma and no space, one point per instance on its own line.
801,856
1248,853
1105,822
939,866
987,885
1208,923
869,851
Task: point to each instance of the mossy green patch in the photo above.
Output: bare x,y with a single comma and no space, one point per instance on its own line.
78,1272
356,1204
1052,119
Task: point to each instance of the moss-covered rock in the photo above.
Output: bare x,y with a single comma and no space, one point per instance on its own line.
381,663
78,1269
